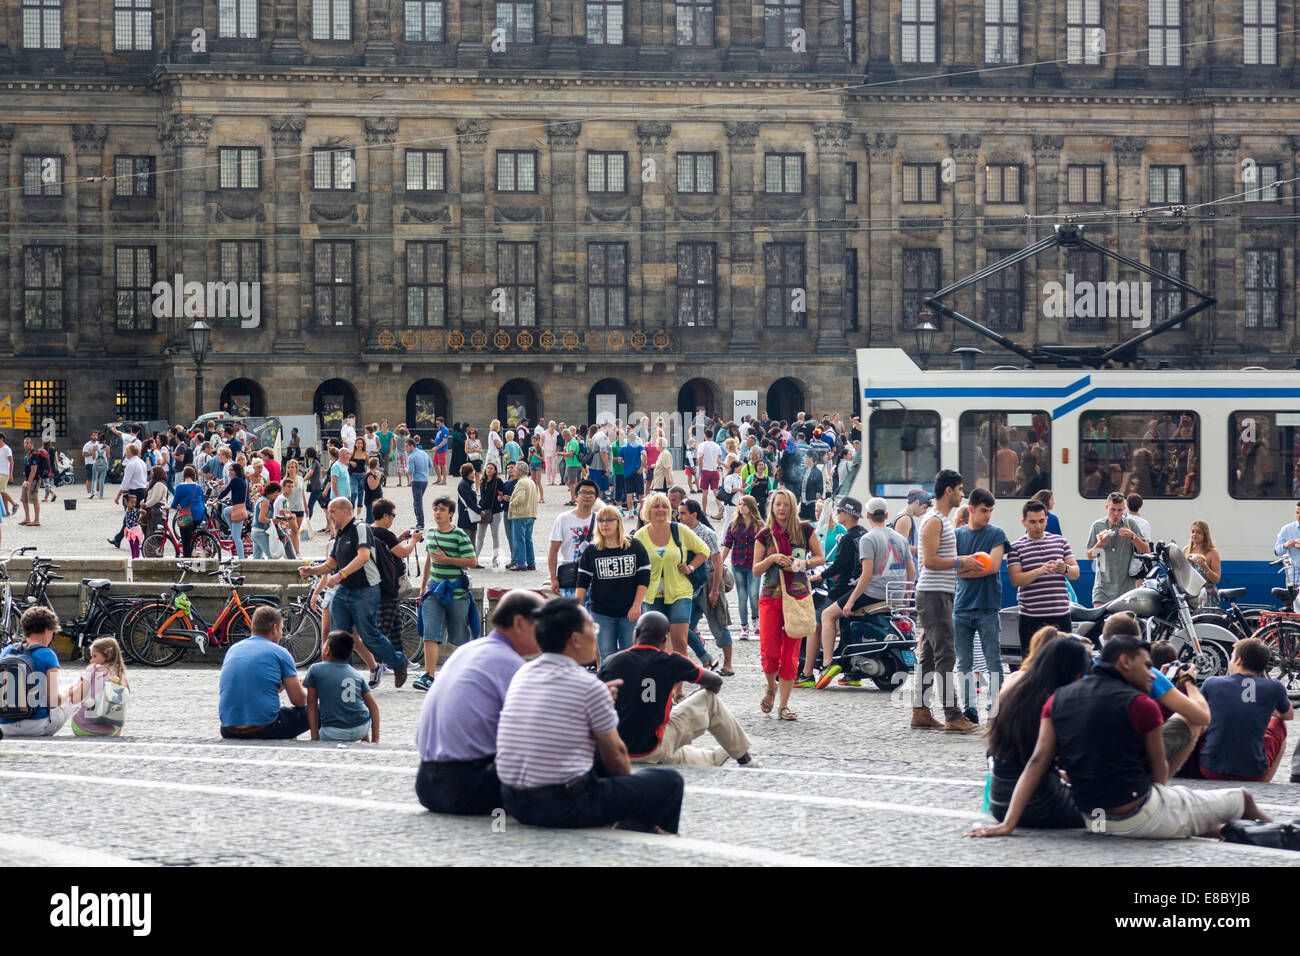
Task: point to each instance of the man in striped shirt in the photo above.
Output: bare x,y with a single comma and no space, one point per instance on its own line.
450,552
935,589
555,717
1038,565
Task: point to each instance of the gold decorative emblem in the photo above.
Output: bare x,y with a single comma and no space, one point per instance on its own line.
456,341
501,340
548,340
386,339
478,340
617,340
432,339
661,340
638,340
569,340
410,338
525,339
593,340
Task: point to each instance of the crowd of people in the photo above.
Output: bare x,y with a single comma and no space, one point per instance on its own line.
635,563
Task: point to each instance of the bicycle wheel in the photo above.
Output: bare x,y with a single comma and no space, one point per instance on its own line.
301,637
107,624
412,645
237,626
138,630
1282,638
206,545
153,545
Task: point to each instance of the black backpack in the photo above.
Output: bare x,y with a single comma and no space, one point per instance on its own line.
391,570
16,672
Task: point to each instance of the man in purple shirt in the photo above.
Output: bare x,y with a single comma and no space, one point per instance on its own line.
457,731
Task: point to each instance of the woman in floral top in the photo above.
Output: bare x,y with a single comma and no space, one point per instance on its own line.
784,551
738,542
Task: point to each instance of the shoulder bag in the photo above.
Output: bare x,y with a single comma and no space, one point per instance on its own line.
566,575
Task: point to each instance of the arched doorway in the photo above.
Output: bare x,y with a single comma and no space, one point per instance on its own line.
604,401
785,400
426,401
695,395
334,400
518,399
243,398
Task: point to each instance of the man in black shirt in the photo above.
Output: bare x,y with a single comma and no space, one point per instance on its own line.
389,620
839,578
654,730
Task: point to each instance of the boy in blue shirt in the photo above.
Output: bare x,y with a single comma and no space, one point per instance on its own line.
977,601
633,455
340,705
38,625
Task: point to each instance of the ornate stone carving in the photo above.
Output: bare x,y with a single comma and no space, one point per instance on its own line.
336,142
711,215
781,211
135,217
55,213
880,142
287,130
560,177
563,134
472,132
516,214
193,130
416,214
966,143
334,212
832,135
595,214
381,131
239,211
1295,140
88,137
1128,149
6,133
742,135
653,135
166,130
1048,143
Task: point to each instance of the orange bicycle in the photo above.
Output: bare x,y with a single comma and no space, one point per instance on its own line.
158,633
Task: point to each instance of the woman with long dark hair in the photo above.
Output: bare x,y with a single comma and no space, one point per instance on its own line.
1013,732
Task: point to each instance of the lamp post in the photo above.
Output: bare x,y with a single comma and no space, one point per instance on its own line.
200,339
925,340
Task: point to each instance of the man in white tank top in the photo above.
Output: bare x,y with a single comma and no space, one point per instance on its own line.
935,588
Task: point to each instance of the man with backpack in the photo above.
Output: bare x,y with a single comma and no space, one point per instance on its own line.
36,466
391,552
353,565
29,680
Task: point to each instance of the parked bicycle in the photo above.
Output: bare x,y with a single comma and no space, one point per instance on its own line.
206,544
11,611
1280,632
158,633
100,615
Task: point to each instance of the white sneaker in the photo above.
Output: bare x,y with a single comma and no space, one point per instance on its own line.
752,763
720,756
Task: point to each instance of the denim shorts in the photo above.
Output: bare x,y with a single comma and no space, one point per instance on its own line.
679,612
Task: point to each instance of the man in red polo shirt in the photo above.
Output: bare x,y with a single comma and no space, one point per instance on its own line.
655,731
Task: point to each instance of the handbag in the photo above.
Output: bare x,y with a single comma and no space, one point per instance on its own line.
109,707
800,616
239,512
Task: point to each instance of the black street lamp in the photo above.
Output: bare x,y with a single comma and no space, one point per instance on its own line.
200,339
925,340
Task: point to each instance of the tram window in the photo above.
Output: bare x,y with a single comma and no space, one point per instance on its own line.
1007,453
1264,455
904,451
1154,453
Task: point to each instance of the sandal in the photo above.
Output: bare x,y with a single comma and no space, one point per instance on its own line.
726,672
768,700
787,714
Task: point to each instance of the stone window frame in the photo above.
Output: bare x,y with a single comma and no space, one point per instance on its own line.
424,6
691,283
137,292
1000,286
1159,181
694,158
45,288
237,14
605,27
33,187
1087,265
1258,191
1001,26
1167,301
424,247
1262,291
611,288
789,318
139,27
922,28
694,9
236,154
1080,22
425,155
603,156
920,195
852,278
1004,170
142,173
1159,46
513,25
340,152
1082,170
514,156
40,19
784,161
338,29
787,31
514,290
333,283
241,248
1262,30
933,253
850,184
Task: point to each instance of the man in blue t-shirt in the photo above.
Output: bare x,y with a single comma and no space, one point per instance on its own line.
38,627
254,672
633,455
417,465
340,705
441,441
977,602
1248,715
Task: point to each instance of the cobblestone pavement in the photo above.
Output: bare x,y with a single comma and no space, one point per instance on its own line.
848,783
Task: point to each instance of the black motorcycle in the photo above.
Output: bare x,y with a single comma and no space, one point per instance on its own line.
1160,605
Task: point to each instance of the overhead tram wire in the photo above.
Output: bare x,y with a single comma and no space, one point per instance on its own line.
699,106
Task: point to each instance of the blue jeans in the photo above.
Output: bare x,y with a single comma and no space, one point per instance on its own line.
748,585
614,634
418,488
359,608
261,543
358,491
599,477
679,612
100,475
345,733
236,532
965,626
441,621
694,643
721,635
521,543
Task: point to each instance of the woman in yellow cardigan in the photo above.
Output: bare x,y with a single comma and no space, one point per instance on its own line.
670,588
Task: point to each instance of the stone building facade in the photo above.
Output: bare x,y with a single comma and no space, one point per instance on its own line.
459,206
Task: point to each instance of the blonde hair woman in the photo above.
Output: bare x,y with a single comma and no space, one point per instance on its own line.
674,552
1205,558
617,586
662,479
783,551
494,443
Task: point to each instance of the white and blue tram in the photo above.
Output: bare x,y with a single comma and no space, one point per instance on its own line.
1222,446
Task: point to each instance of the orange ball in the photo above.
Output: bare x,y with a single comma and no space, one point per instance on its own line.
985,559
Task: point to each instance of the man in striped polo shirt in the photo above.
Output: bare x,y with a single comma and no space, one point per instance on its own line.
935,589
1038,565
556,716
450,552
